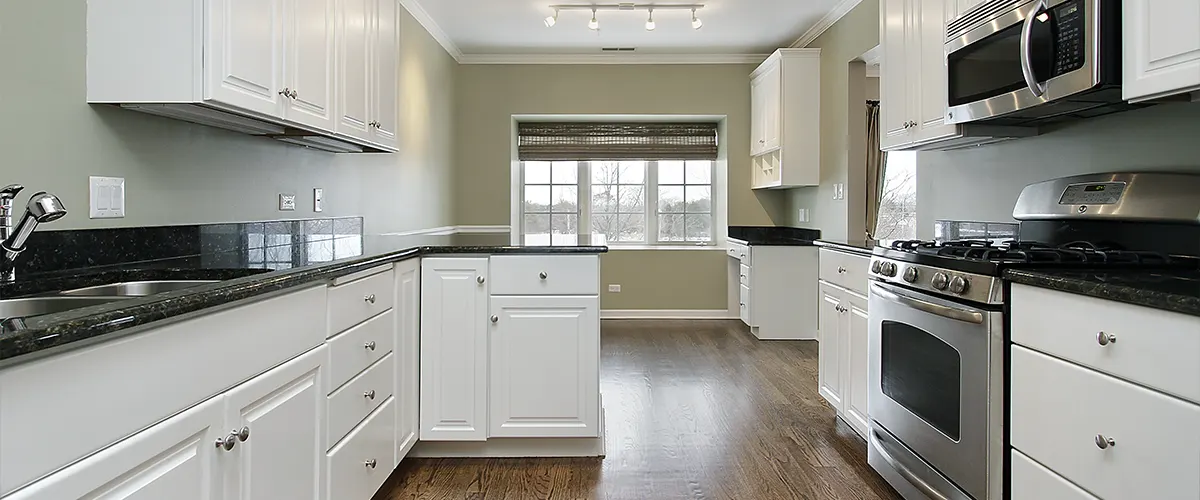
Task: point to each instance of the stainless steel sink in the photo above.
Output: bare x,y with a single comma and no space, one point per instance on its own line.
37,306
134,288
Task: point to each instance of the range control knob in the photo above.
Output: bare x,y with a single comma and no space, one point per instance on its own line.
959,285
889,269
910,274
940,281
876,266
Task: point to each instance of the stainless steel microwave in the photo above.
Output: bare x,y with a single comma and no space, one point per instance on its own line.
1029,62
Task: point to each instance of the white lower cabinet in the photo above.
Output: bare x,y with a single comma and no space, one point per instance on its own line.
408,356
855,362
545,373
829,359
454,349
842,319
358,465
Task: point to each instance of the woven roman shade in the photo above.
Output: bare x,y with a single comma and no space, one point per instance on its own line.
616,141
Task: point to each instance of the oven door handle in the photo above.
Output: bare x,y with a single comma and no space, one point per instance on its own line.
905,472
1038,88
967,315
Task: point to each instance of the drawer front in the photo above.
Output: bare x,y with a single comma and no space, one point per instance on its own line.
350,475
359,347
739,252
545,275
744,274
1154,348
353,402
1031,481
845,270
744,304
355,302
1059,409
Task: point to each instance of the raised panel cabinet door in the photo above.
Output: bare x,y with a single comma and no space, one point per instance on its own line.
408,355
856,363
308,66
278,422
757,115
772,107
829,357
454,349
894,74
354,26
931,77
545,373
1161,48
244,55
174,459
385,73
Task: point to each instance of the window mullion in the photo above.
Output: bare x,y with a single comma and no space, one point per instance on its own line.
584,203
651,202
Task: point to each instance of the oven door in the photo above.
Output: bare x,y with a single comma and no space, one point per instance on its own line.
930,365
1040,51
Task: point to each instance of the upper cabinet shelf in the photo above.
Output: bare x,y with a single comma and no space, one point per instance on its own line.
320,73
785,120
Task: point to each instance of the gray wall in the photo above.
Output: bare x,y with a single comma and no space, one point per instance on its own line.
983,183
179,173
871,90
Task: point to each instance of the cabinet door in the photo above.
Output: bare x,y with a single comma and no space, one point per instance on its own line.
1161,48
385,73
545,374
772,127
308,67
855,358
963,6
281,416
175,459
353,68
829,358
244,57
454,350
894,74
757,115
408,355
930,83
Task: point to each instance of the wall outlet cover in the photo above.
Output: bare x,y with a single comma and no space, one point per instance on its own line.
318,200
614,288
802,215
287,202
106,197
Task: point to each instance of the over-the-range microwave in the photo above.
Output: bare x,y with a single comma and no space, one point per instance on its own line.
1031,62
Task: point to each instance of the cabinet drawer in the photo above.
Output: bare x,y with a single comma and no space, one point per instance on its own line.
1154,348
744,274
545,275
351,476
845,270
739,251
354,350
354,302
1059,409
1031,481
353,402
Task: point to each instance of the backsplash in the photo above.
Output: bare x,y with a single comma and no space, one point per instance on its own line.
953,230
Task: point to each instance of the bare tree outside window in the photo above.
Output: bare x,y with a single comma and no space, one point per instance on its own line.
685,201
551,209
619,200
898,204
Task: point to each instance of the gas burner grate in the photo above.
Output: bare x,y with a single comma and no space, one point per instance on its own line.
1032,252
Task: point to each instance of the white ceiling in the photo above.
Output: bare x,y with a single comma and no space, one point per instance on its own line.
515,26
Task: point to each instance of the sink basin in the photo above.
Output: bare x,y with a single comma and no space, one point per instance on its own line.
36,306
134,288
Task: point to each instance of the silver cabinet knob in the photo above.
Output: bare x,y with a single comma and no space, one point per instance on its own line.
543,275
371,463
226,443
1103,442
370,346
286,92
242,435
480,280
743,255
370,298
495,319
841,270
370,394
294,94
1105,338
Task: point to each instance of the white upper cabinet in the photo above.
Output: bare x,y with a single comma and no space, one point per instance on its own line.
454,349
353,69
785,114
894,92
1161,48
385,73
245,55
308,69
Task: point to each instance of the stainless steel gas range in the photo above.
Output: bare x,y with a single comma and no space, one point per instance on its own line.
937,339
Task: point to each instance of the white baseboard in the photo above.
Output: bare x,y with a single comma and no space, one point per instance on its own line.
667,314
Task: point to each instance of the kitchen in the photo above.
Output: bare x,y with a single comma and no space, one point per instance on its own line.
324,254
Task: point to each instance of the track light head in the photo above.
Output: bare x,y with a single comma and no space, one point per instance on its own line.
650,22
594,24
552,20
696,22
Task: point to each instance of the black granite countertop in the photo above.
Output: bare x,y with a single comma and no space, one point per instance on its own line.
862,247
1168,290
242,278
774,235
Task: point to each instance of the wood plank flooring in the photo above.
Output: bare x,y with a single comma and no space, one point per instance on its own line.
695,409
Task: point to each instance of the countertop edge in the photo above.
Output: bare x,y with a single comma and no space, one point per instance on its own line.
1183,304
843,247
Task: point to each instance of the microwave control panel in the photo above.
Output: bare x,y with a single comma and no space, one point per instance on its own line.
1096,193
1069,27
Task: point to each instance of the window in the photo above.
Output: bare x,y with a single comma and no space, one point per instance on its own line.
898,203
551,210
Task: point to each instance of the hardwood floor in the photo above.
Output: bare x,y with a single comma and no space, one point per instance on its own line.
695,409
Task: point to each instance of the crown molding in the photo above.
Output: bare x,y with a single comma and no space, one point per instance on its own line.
613,58
838,11
418,12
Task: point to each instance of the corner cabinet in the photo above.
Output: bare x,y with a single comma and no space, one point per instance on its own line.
785,114
273,68
1161,48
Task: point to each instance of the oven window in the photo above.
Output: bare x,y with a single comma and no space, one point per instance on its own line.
992,66
923,374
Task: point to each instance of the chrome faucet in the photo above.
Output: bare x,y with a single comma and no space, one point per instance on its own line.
42,208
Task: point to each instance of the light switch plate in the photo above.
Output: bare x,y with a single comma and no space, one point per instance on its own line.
318,200
802,215
287,202
106,198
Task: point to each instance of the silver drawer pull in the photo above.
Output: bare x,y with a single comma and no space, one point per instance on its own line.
371,463
1105,338
370,394
543,275
495,319
1103,442
480,280
370,298
841,270
370,346
227,443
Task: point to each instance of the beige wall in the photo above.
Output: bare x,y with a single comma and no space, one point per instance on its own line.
846,40
179,173
871,91
488,96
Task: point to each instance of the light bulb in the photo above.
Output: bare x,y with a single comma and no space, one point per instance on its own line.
594,24
696,22
650,22
552,20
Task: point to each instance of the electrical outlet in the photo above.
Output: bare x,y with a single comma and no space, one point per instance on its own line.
318,200
835,191
107,197
614,288
287,202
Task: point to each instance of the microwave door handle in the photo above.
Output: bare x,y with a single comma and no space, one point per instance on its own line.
1038,88
953,313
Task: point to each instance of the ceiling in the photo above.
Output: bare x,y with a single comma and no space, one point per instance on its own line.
515,27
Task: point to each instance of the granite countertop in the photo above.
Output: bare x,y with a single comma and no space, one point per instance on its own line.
27,338
863,247
774,235
1168,290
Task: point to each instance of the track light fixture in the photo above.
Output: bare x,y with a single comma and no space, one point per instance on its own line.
594,23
